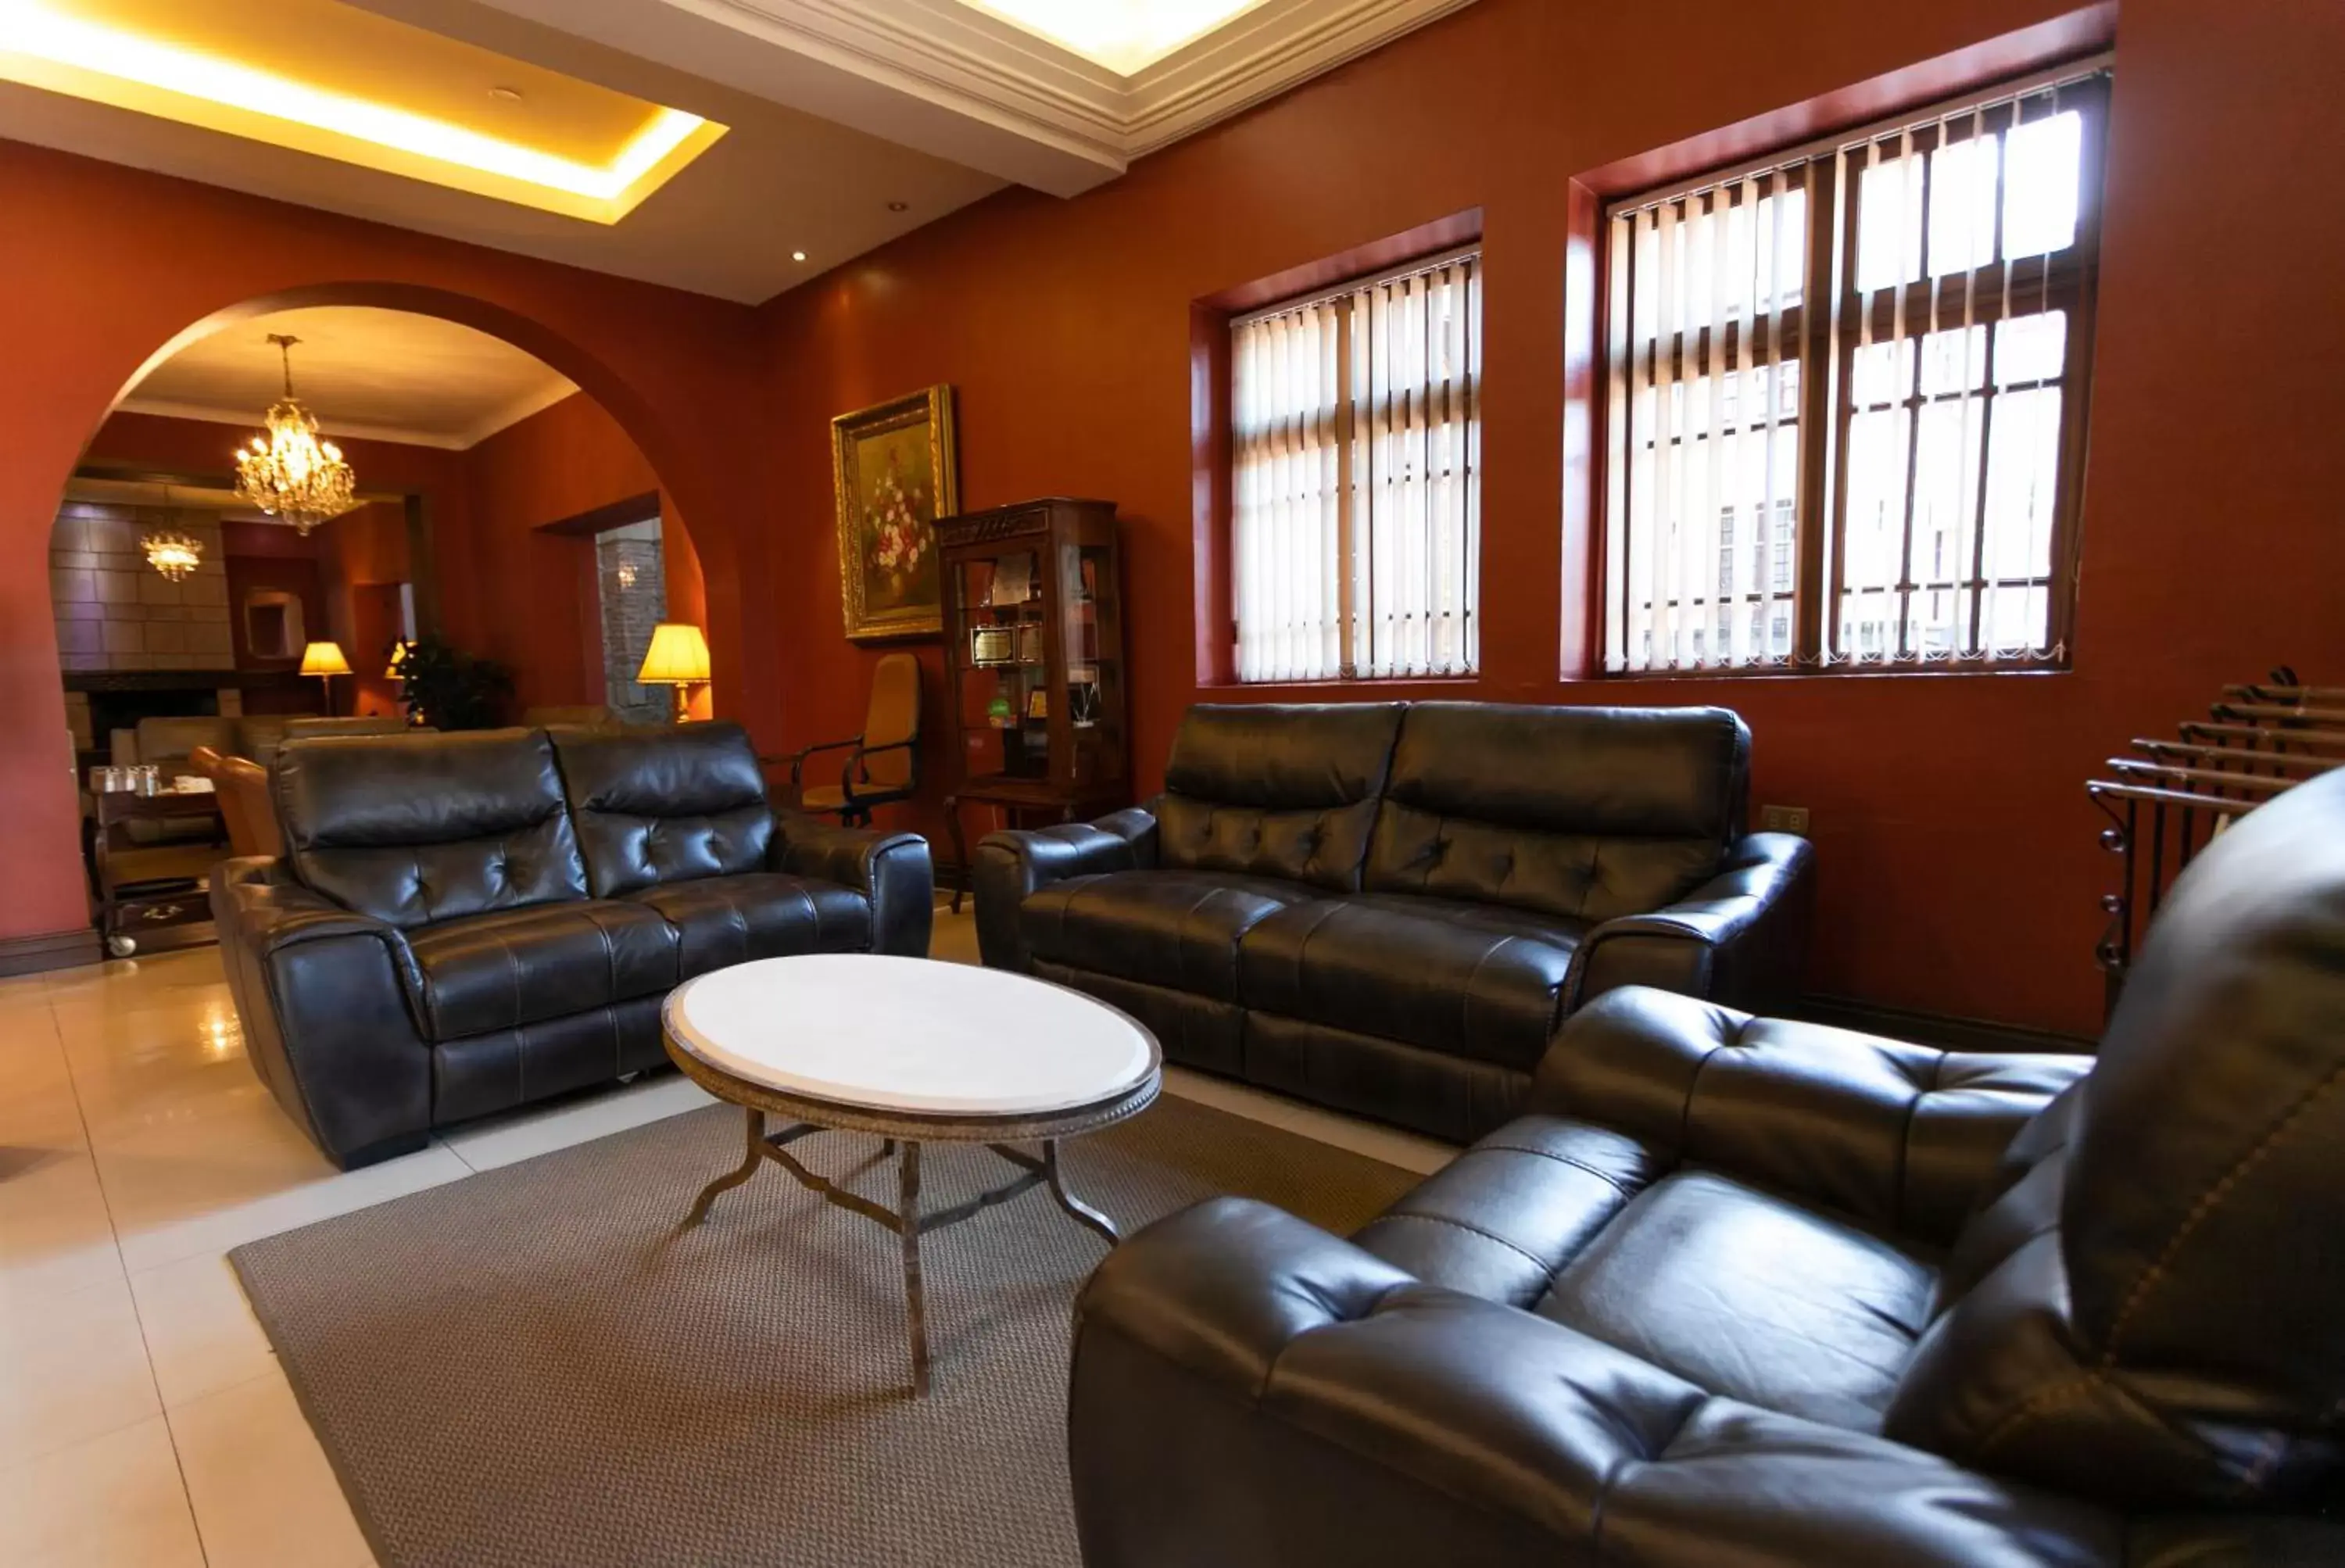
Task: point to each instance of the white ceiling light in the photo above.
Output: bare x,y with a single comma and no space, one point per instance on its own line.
1124,35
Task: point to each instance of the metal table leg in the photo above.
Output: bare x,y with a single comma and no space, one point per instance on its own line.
907,1230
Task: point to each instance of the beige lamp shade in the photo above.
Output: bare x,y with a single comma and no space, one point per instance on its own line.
678,656
324,658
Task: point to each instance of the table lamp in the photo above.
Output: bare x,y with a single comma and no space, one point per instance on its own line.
325,661
679,657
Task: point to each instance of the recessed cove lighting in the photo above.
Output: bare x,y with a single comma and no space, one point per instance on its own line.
1124,35
360,89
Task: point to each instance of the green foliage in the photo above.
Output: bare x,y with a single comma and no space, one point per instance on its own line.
449,690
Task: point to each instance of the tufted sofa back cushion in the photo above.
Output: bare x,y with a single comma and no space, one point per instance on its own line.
2149,1312
664,806
1584,812
411,829
1275,791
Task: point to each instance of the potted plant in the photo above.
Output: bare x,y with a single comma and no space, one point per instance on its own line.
448,689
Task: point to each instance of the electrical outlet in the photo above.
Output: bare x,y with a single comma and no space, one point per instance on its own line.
1784,820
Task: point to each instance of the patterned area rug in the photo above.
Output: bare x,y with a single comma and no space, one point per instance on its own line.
533,1367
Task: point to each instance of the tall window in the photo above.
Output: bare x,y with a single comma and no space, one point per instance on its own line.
1879,346
1356,428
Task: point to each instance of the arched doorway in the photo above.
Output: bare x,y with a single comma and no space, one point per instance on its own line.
495,581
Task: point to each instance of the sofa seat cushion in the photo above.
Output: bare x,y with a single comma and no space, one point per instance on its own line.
514,967
1176,928
725,920
1751,1297
1462,978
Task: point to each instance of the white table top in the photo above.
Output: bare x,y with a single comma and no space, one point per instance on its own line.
910,1035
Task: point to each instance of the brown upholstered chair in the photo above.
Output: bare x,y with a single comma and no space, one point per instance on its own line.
242,786
883,763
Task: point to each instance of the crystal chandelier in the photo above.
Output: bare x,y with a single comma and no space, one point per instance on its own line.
170,552
289,472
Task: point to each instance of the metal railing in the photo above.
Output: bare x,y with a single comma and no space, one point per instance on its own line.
2171,798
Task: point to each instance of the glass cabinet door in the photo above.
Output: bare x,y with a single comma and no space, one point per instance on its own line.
1090,687
1000,670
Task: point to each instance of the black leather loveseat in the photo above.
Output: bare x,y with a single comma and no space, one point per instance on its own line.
1766,1295
1385,908
464,923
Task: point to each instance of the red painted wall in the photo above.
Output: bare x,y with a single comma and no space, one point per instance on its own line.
1959,871
560,463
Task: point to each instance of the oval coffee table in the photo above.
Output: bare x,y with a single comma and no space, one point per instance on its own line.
917,1052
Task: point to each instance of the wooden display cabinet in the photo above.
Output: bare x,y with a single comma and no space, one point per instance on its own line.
1037,692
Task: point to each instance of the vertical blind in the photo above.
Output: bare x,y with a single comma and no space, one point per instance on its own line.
1895,483
1707,309
1357,487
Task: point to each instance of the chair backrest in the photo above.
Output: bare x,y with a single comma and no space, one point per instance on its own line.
893,718
1277,791
413,828
665,805
245,802
2149,1312
1584,812
206,761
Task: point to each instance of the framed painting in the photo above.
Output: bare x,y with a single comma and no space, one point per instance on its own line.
893,474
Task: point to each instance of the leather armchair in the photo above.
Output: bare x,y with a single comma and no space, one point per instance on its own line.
1739,1291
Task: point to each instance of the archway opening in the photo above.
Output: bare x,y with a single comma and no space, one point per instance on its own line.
501,510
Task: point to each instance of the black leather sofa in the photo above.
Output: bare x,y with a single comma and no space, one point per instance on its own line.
1772,1296
464,923
1387,907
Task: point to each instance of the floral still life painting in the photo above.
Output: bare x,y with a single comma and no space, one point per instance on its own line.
893,469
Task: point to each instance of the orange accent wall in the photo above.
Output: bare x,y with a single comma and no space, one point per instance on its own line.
1958,867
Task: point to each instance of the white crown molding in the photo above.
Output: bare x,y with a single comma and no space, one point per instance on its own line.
343,430
963,84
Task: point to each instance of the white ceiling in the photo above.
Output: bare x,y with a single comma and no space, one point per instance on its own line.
384,374
851,121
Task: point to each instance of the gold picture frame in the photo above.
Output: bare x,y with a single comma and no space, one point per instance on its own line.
893,474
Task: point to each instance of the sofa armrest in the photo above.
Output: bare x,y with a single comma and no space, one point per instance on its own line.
326,1018
1904,1137
1248,1390
891,870
1740,938
1011,867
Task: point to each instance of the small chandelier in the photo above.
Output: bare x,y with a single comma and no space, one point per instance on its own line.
172,552
289,472
626,577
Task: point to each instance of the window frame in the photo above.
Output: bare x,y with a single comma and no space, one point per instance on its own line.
1826,407
1346,421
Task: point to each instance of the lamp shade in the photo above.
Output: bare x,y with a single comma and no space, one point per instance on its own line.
324,658
678,656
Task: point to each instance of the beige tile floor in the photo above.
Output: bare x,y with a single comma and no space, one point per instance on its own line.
143,1418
